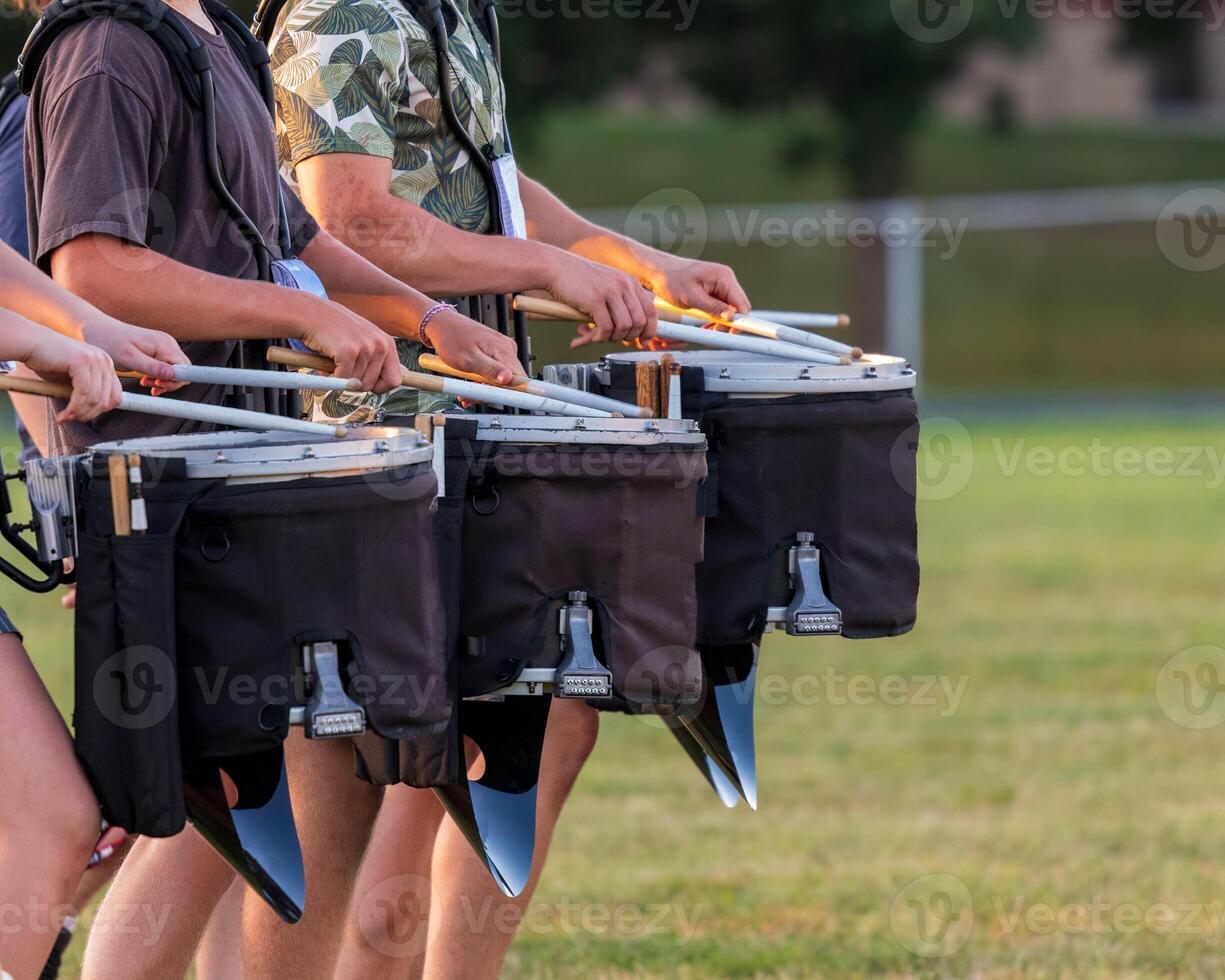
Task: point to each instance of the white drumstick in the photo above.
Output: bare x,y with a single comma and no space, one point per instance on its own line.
468,390
757,325
761,326
575,396
746,344
173,408
682,327
247,378
806,321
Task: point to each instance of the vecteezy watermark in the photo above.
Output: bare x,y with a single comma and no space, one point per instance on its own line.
677,220
393,917
932,21
935,458
136,688
138,923
679,13
943,692
933,916
938,21
1190,687
1102,459
1191,230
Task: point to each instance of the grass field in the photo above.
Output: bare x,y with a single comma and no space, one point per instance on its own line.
1018,744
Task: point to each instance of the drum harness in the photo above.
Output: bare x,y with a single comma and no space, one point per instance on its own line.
9,91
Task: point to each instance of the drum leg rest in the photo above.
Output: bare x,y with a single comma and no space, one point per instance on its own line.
722,724
241,806
497,812
580,675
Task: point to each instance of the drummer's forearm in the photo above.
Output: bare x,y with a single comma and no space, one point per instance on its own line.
19,336
26,291
139,286
551,221
366,289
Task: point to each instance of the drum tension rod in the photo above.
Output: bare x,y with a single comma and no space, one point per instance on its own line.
330,712
810,612
580,674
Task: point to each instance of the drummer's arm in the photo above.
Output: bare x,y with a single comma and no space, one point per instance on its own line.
399,309
686,282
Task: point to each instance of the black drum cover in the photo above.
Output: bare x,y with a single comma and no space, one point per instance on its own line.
188,637
536,522
841,466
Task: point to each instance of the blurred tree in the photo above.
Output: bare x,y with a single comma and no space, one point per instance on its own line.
875,66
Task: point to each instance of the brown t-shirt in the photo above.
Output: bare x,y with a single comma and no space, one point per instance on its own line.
114,146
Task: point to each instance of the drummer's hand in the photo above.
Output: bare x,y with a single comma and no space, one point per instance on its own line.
90,371
471,346
619,305
706,286
150,352
360,349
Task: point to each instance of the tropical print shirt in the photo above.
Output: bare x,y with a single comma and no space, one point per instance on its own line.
361,76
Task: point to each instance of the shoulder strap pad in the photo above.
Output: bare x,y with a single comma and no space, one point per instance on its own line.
186,55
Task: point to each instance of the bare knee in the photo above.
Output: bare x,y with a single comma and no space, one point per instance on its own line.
572,733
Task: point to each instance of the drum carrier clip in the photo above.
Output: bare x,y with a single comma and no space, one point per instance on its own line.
330,712
810,612
580,674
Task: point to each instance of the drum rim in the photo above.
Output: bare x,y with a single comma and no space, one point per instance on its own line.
270,455
748,366
563,430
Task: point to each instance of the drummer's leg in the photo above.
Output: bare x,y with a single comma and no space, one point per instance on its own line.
157,910
335,813
389,916
49,818
469,935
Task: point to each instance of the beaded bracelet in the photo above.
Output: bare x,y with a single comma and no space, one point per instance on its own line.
432,312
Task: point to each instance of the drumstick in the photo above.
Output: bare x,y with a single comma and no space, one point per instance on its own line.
546,389
689,334
468,390
173,408
121,513
806,321
761,327
140,516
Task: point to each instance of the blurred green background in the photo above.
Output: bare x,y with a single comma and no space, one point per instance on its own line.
1064,784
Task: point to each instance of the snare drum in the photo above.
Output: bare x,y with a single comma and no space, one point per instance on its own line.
812,522
568,526
264,580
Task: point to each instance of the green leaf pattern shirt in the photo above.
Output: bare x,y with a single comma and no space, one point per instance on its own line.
360,76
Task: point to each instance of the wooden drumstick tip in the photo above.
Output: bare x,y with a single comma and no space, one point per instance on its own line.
340,432
857,352
844,360
844,320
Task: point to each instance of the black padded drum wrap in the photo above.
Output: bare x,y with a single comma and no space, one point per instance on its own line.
841,466
618,522
232,580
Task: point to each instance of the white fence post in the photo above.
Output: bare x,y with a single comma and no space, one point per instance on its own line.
904,286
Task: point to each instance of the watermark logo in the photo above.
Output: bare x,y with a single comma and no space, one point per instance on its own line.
394,916
932,21
1191,230
135,689
933,916
673,219
943,463
1191,688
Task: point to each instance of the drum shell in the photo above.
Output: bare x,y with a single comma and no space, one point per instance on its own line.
839,465
244,574
620,523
